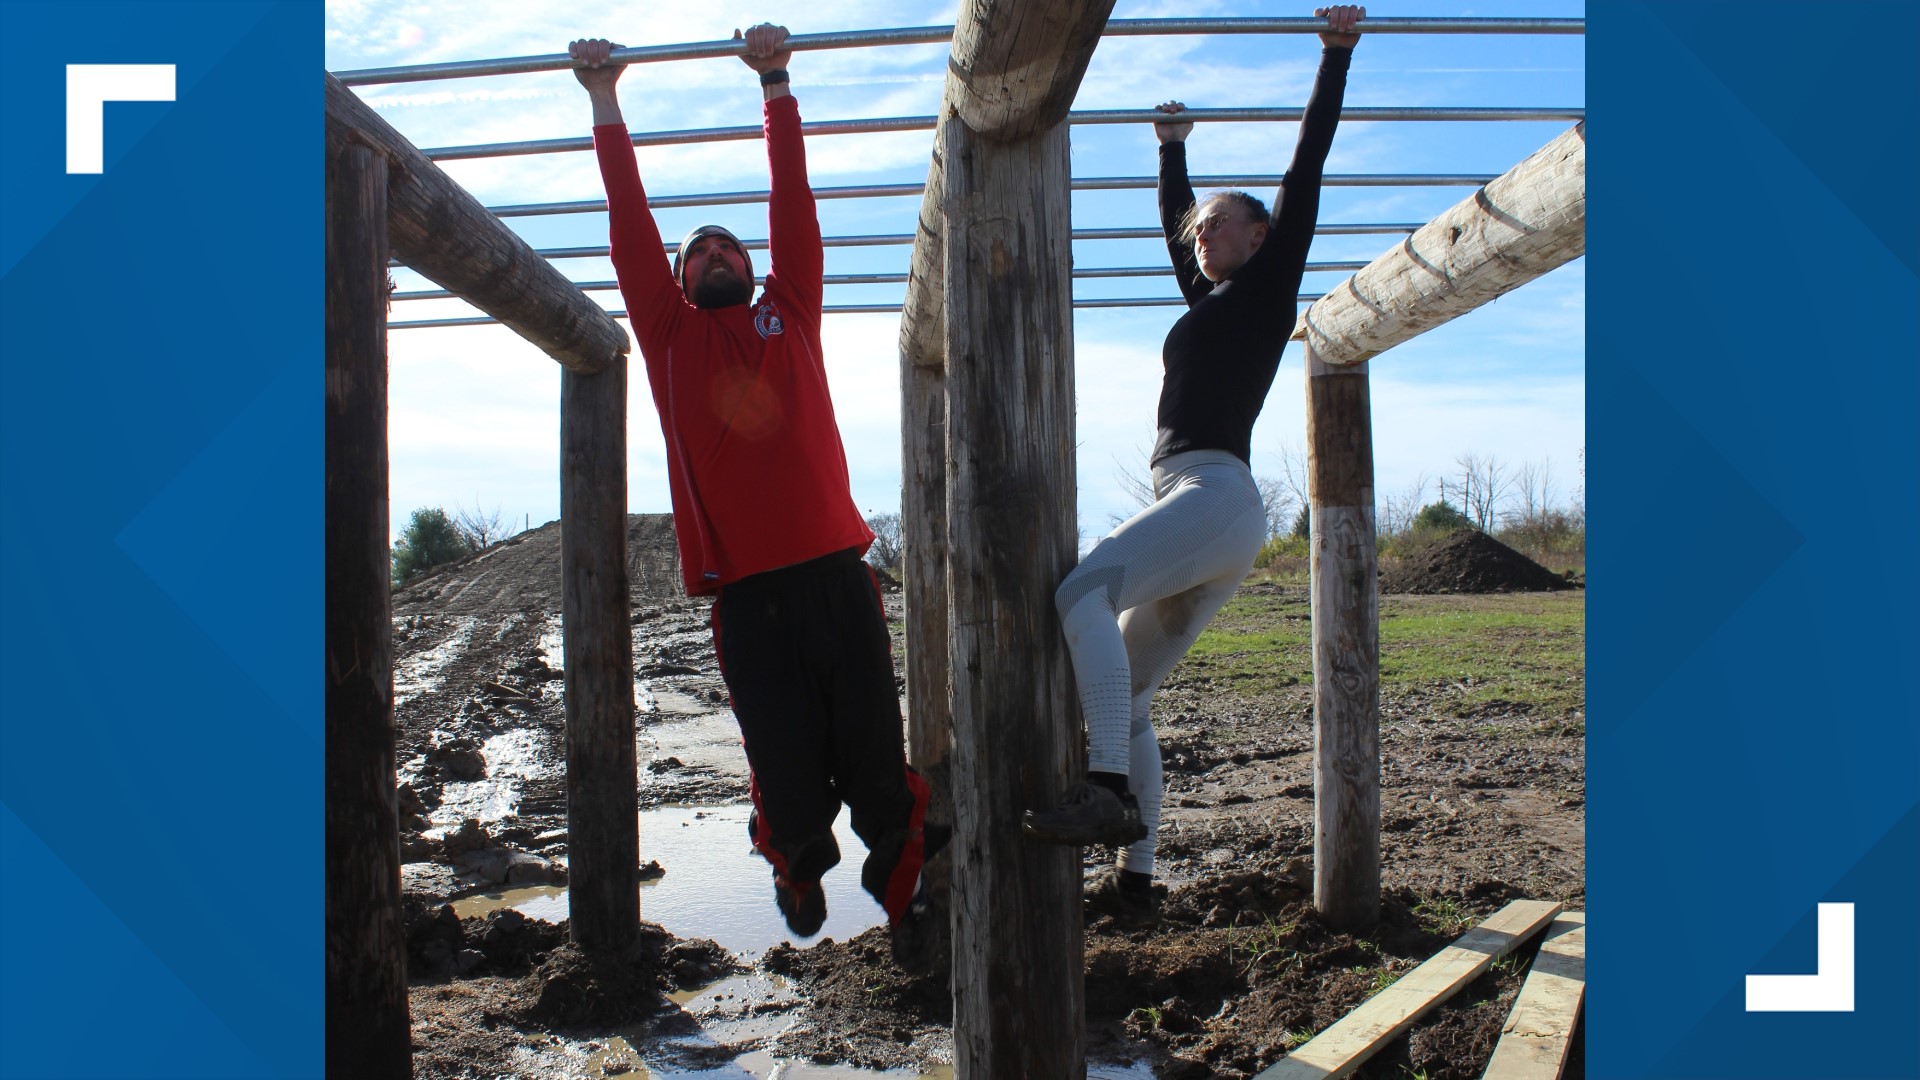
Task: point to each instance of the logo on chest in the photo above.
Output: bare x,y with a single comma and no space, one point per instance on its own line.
766,319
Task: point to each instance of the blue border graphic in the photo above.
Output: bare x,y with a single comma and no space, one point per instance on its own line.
1754,743
1753,372
160,537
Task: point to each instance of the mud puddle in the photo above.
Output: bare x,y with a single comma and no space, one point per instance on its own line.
715,886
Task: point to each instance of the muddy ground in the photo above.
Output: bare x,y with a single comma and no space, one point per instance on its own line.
1483,801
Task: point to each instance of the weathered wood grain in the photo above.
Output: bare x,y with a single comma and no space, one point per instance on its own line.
1346,646
1533,1044
367,1024
1017,978
1343,1047
603,774
438,229
923,506
1021,61
1524,223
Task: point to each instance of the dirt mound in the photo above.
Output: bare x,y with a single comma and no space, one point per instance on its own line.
862,1010
571,987
1469,561
523,573
1241,970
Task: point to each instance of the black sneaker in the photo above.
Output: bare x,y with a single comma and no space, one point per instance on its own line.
1131,909
915,935
804,905
1090,814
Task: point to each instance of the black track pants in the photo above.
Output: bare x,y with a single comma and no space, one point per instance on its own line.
809,666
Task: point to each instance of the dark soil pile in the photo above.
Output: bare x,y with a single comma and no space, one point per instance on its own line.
1469,561
522,573
1241,970
484,988
563,984
863,1010
570,987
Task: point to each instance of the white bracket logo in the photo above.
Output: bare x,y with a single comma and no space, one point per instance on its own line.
89,88
1829,988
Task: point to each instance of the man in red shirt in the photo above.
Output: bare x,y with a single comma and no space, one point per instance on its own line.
764,517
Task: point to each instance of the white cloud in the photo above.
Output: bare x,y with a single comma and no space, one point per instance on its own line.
475,411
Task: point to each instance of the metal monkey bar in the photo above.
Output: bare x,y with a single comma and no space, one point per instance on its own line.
931,35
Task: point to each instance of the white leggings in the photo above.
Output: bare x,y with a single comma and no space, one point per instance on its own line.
1135,604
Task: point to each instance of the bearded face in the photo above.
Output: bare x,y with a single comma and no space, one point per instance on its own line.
720,289
715,273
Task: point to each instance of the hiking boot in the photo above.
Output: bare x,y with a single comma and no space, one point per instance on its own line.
803,903
1131,909
916,934
1090,814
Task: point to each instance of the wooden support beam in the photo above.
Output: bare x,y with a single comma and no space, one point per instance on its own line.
1017,963
368,1030
1533,1045
989,523
923,517
1524,223
1344,1046
438,229
1020,62
603,769
1346,646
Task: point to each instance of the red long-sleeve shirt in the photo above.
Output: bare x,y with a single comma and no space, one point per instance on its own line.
754,459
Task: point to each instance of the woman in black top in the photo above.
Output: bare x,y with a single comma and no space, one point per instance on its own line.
1134,606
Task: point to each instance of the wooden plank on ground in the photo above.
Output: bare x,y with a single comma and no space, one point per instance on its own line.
1342,1048
1533,1045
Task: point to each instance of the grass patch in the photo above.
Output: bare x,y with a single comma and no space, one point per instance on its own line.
1443,913
1273,938
1523,651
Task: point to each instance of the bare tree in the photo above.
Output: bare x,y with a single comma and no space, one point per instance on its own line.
1532,493
1396,512
1579,501
886,550
1483,482
1278,501
1136,483
480,528
1293,472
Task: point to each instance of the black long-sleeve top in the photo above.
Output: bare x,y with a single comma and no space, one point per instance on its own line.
1220,357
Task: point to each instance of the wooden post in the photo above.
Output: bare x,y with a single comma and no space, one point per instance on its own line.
368,1030
1346,646
1524,223
444,233
988,326
923,513
1018,988
603,802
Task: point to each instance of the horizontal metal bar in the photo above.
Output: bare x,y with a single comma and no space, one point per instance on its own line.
1357,114
1267,180
675,138
1090,273
1165,301
646,54
1167,271
720,198
885,239
1300,25
928,35
1096,183
850,309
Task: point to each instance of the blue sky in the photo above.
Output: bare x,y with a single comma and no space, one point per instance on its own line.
475,411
